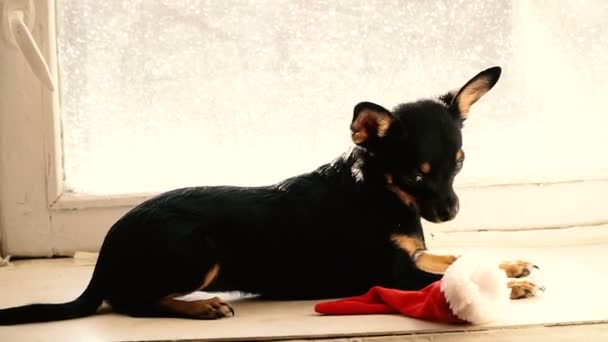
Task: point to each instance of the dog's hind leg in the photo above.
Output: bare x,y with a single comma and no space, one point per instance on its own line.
169,306
212,308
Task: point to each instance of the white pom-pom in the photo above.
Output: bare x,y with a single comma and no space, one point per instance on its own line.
476,289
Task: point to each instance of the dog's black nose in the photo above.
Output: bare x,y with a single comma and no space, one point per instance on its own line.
448,212
444,214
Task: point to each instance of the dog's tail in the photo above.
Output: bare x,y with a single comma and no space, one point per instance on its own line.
86,304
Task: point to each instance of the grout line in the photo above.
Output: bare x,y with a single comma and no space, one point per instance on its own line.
539,183
590,224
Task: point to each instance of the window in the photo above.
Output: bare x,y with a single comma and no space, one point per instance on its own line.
157,95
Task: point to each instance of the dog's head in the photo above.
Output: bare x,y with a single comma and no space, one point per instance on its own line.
418,144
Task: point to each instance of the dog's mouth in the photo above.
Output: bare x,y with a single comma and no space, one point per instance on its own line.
439,213
431,211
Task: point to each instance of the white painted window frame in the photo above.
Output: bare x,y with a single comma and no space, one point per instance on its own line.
39,218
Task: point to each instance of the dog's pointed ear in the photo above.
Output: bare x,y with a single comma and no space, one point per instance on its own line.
472,91
370,123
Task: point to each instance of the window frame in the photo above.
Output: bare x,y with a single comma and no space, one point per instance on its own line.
38,218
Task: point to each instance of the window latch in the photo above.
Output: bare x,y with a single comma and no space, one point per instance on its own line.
18,16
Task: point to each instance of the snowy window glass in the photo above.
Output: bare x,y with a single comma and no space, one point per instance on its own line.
162,94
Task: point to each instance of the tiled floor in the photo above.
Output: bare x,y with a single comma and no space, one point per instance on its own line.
575,278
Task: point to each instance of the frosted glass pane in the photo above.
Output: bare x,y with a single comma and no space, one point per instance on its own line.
161,94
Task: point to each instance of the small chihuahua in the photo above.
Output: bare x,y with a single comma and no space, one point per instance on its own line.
337,231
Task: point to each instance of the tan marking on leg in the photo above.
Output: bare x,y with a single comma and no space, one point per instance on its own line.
212,308
405,197
523,288
425,168
427,262
517,269
210,276
433,263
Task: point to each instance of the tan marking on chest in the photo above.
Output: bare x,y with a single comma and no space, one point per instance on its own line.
407,243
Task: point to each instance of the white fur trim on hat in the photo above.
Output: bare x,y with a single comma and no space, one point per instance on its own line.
476,289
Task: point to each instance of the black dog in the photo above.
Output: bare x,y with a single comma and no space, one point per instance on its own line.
337,231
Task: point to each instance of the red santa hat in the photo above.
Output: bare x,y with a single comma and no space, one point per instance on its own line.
471,291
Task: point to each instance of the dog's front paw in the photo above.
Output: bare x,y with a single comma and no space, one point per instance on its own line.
433,263
518,268
524,288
